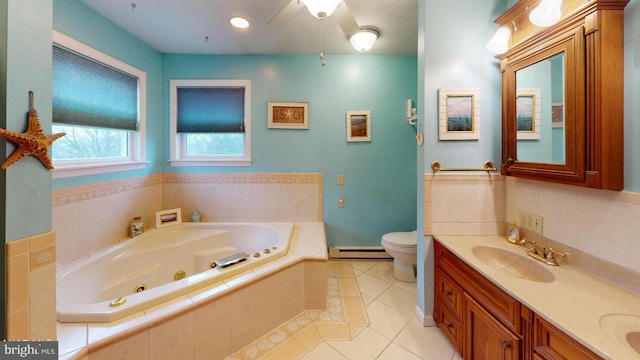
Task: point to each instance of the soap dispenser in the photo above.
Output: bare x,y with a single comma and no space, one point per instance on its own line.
514,232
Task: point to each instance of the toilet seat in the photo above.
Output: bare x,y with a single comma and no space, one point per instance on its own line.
401,239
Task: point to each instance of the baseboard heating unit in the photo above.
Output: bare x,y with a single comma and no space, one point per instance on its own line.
358,252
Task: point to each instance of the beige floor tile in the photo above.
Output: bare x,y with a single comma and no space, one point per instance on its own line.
385,320
309,337
395,352
367,345
366,300
371,285
399,299
411,287
339,269
383,271
354,310
334,331
349,287
363,265
425,342
289,349
355,329
323,352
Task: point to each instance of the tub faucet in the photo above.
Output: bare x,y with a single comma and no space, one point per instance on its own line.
541,253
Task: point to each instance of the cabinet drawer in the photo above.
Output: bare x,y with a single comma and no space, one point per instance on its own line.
550,343
450,326
449,293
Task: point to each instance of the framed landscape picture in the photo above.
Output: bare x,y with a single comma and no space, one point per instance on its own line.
459,114
358,126
528,113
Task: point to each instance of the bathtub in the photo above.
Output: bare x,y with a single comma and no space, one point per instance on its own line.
160,265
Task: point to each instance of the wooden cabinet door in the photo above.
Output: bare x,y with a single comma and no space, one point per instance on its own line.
485,337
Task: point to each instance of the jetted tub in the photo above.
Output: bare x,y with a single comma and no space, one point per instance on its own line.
141,272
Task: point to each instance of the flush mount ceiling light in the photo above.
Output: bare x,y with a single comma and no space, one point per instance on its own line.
546,13
239,22
321,9
499,43
364,39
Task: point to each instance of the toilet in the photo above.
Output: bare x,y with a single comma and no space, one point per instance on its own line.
402,246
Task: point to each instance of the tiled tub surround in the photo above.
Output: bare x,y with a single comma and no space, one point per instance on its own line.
464,204
575,302
92,217
86,287
31,285
216,321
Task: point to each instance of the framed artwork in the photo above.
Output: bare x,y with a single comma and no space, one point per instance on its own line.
288,115
168,217
528,113
557,114
358,126
459,114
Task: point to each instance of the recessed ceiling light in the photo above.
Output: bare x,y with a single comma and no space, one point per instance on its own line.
239,22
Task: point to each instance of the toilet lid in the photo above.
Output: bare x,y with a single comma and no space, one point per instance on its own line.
407,239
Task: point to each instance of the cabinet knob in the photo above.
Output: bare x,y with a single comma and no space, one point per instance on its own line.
448,293
448,325
506,344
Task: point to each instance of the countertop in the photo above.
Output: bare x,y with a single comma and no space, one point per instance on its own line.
593,312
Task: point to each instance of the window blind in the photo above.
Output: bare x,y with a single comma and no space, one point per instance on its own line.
89,93
210,109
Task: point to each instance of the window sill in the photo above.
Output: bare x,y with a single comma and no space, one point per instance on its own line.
84,170
210,162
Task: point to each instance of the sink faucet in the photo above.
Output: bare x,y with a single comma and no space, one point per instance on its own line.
541,253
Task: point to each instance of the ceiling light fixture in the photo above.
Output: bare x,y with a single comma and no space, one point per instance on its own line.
499,43
364,39
321,9
239,22
546,13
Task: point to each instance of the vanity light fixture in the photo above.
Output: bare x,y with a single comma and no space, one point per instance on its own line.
239,22
364,39
499,43
546,13
321,9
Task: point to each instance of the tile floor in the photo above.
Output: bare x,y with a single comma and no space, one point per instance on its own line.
369,315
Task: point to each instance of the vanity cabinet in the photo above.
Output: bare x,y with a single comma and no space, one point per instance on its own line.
562,95
482,321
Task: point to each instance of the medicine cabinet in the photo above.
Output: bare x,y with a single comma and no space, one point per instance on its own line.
562,95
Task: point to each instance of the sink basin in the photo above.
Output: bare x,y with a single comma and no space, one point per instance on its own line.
514,264
623,329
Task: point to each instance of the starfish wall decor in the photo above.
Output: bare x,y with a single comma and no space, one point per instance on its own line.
33,142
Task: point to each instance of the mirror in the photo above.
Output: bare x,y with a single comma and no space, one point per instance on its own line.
562,95
539,111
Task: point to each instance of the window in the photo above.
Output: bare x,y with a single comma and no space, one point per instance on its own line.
99,102
210,122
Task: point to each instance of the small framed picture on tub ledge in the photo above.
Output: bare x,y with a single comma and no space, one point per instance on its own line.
169,217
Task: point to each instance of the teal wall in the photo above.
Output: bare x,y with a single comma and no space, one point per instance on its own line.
453,35
78,21
26,66
379,188
631,96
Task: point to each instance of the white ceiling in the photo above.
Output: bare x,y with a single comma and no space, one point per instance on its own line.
180,26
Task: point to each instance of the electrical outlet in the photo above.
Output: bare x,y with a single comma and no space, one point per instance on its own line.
530,221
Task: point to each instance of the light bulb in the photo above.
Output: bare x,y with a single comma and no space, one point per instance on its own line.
546,13
499,43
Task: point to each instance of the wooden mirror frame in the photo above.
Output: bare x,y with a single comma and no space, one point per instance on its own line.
591,35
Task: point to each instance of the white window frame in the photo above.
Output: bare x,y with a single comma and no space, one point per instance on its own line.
178,156
137,139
